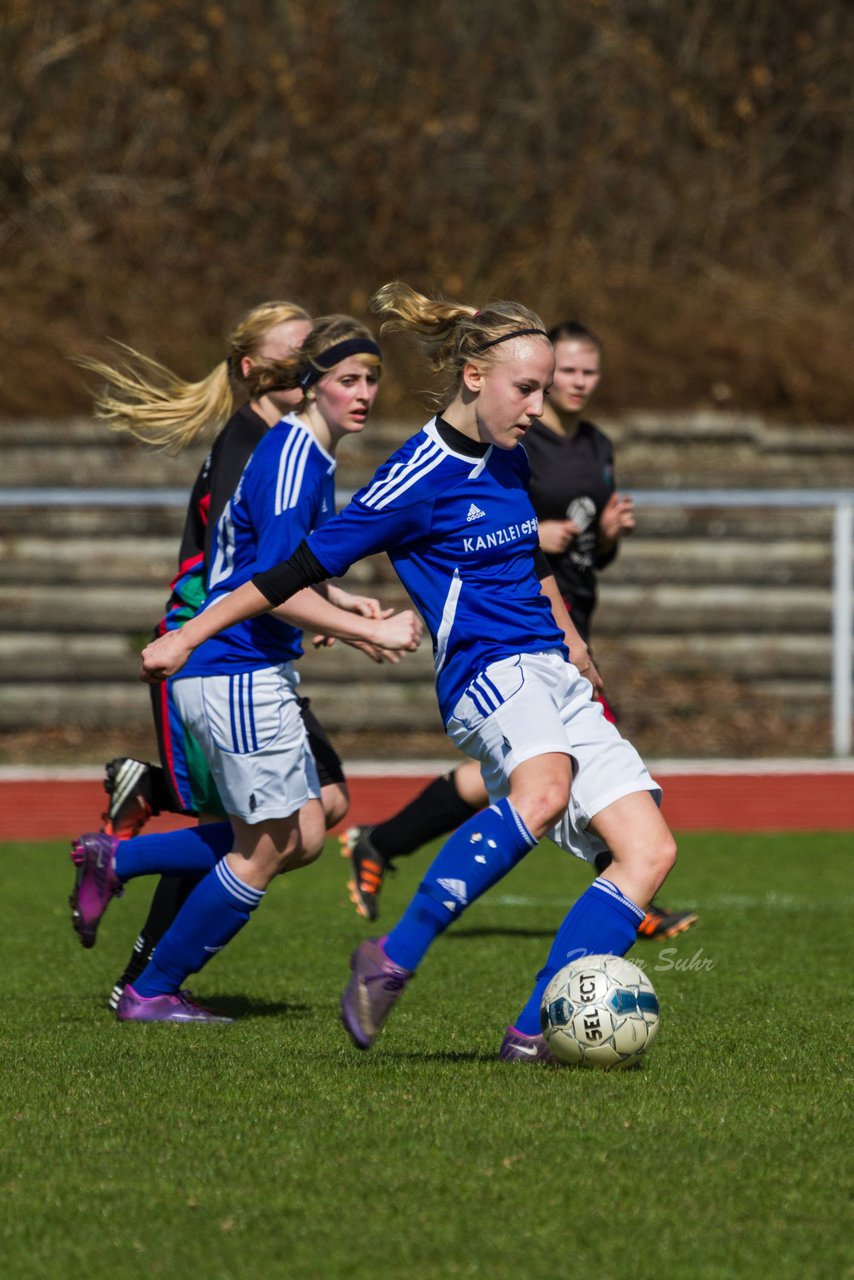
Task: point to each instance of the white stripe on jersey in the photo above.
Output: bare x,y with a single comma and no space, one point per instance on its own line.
446,625
414,470
296,472
288,488
223,560
287,448
379,487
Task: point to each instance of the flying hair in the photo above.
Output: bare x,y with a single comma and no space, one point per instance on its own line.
145,399
451,333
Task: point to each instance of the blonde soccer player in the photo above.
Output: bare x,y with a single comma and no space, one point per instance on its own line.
452,511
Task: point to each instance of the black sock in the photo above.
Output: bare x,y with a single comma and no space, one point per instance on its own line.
161,792
437,809
167,901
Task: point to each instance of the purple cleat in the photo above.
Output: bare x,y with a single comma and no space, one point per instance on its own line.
517,1047
95,884
169,1008
375,985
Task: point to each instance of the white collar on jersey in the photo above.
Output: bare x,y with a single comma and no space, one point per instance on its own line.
478,464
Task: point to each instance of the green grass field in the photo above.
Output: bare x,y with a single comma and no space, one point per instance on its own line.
273,1148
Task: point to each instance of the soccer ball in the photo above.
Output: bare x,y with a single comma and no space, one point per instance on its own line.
600,1011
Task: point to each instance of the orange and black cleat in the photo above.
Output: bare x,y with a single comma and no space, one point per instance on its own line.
369,868
661,923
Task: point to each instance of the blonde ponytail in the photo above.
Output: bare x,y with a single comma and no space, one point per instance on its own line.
148,401
452,333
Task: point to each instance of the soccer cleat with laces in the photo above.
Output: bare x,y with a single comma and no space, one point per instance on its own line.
179,1007
661,923
374,987
95,883
517,1047
369,868
127,782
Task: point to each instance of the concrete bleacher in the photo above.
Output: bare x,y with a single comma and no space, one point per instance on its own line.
699,593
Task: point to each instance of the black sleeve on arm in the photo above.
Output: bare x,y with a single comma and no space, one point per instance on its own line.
286,579
602,561
542,568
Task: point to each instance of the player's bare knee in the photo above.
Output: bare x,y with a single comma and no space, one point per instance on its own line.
308,850
541,807
670,853
659,858
286,849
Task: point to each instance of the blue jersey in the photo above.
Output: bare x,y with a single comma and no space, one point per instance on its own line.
461,534
287,489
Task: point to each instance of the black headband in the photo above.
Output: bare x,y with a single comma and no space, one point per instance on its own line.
334,355
516,333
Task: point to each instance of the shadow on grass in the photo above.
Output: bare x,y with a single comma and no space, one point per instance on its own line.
497,931
250,1007
457,1056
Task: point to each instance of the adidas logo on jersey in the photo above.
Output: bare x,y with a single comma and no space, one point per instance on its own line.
475,513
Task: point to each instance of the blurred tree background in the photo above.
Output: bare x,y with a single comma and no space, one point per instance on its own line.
677,173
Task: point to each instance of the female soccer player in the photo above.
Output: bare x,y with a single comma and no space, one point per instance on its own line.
238,697
150,402
581,521
452,511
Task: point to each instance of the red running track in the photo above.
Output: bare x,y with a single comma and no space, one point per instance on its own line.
55,809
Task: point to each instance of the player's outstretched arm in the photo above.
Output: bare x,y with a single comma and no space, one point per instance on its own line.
368,607
380,629
167,654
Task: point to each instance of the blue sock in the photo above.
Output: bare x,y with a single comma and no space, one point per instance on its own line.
174,853
471,861
215,911
602,922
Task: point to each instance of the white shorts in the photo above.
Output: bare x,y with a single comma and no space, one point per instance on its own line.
531,704
252,734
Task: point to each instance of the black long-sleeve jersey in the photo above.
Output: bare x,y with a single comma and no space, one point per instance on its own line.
214,485
573,476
